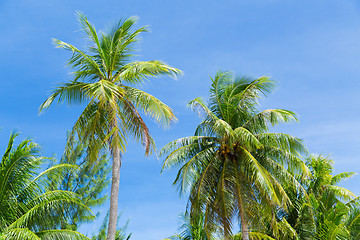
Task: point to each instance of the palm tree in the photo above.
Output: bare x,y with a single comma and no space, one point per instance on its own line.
329,211
233,164
321,179
27,211
324,210
104,77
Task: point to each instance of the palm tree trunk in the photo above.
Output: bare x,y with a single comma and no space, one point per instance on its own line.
244,226
116,156
243,220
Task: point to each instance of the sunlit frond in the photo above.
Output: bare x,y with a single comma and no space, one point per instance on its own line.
199,105
21,234
341,176
85,65
70,93
342,193
181,150
151,106
136,72
262,121
62,234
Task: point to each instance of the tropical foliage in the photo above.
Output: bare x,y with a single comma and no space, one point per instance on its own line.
234,166
104,76
243,181
120,230
27,210
193,228
327,211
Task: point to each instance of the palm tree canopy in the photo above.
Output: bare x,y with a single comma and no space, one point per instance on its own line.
233,162
104,76
321,178
336,209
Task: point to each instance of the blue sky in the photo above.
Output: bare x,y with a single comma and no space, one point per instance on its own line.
311,48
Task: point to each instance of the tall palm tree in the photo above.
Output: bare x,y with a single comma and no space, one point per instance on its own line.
104,78
27,210
233,164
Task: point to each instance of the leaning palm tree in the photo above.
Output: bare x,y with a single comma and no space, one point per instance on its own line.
233,165
104,78
27,210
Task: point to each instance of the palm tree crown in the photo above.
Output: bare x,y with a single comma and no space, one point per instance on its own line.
103,78
233,166
335,210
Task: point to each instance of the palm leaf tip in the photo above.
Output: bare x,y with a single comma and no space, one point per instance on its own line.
45,105
60,44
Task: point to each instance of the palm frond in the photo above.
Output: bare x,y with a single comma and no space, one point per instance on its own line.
62,234
151,105
260,122
21,234
136,72
341,176
72,92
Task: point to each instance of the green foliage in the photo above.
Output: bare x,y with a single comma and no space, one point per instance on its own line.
193,228
326,211
27,210
254,236
233,167
120,232
89,181
336,209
